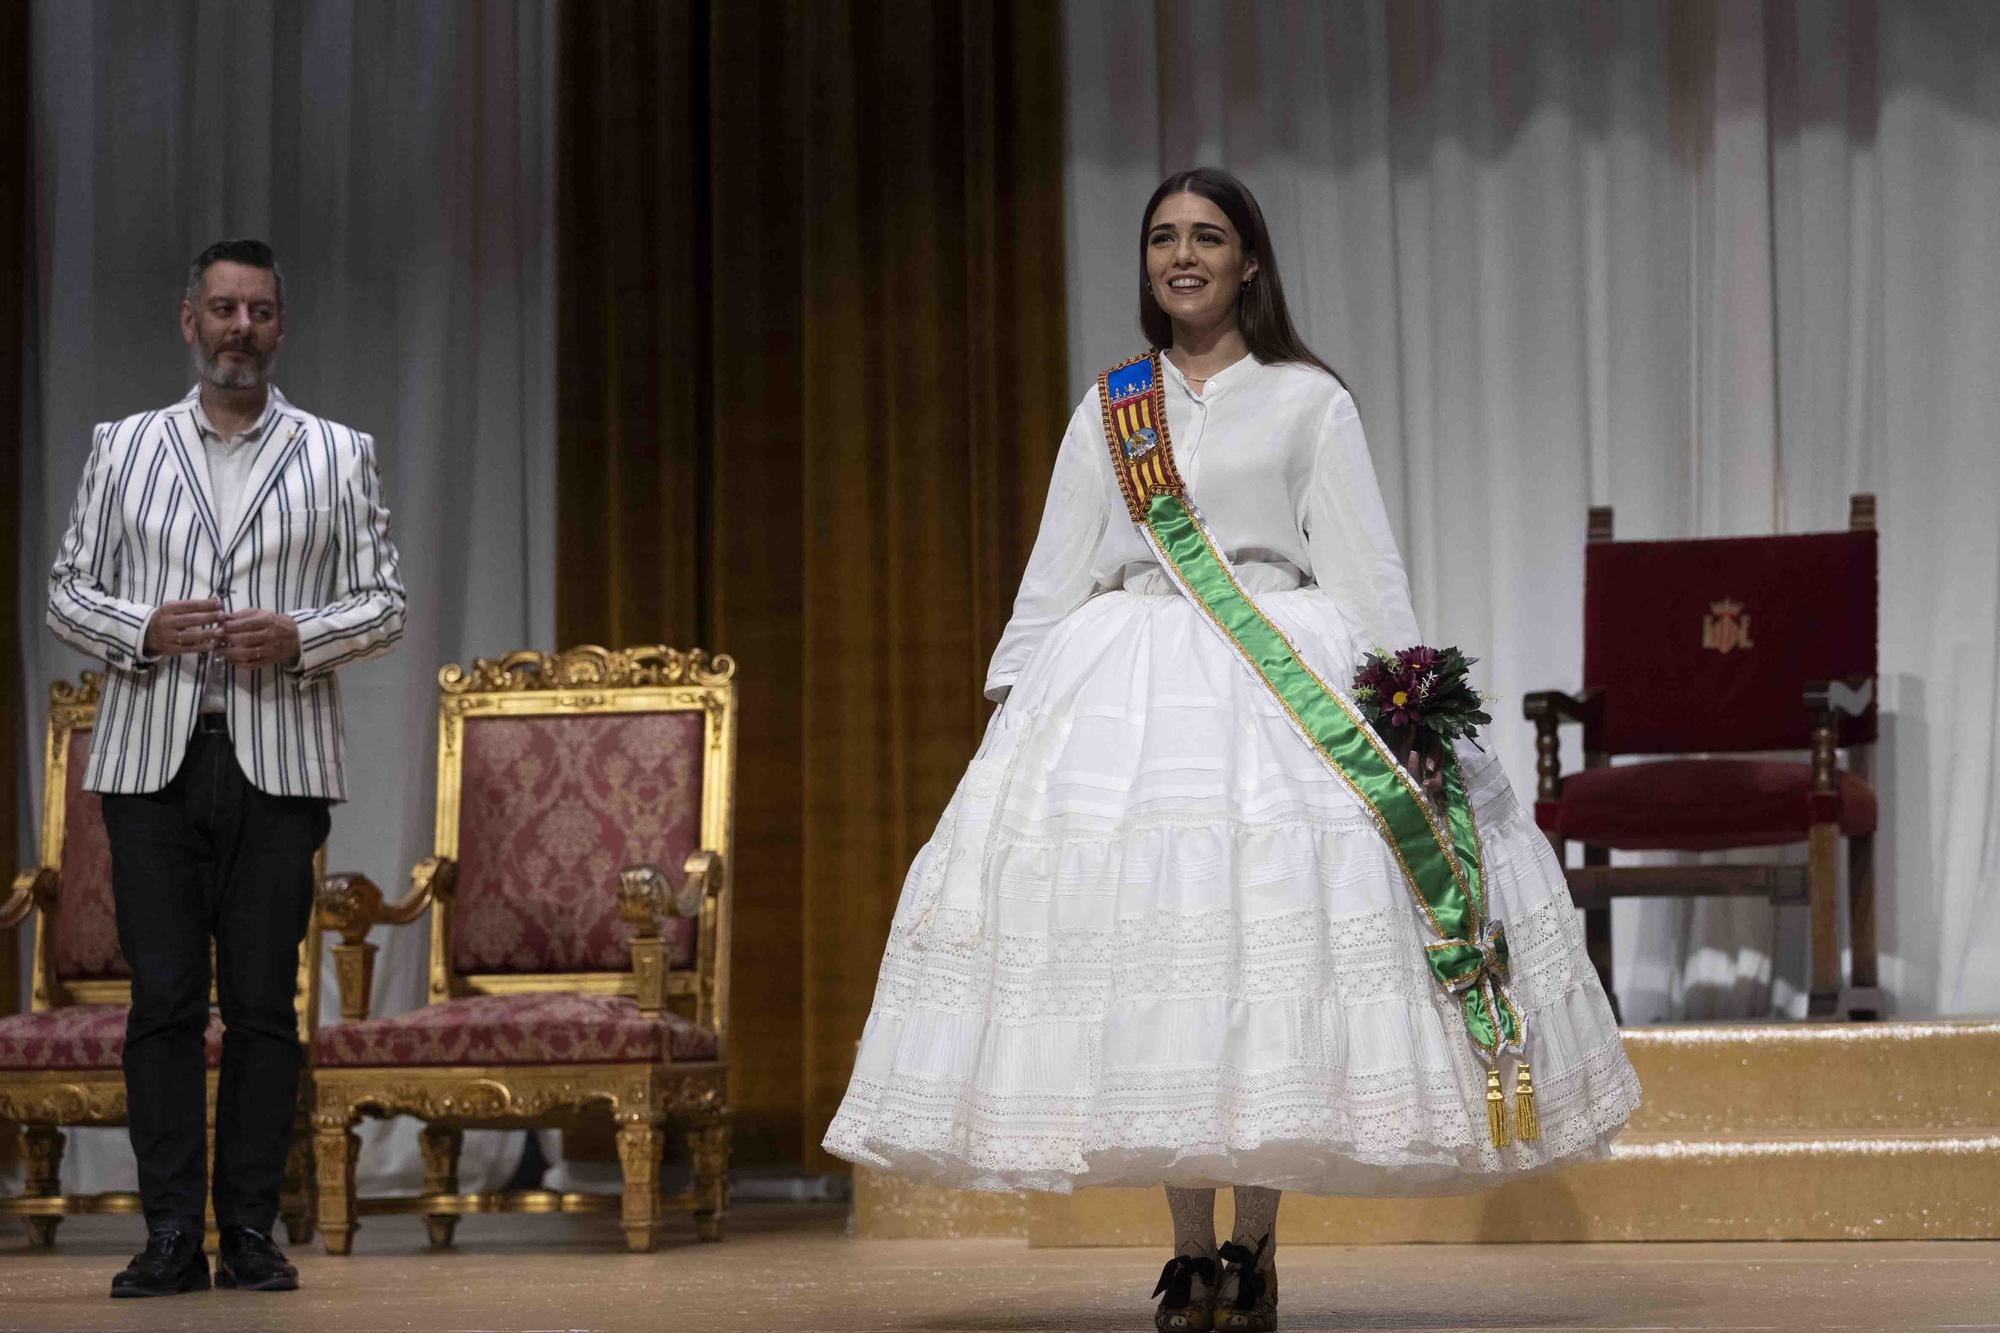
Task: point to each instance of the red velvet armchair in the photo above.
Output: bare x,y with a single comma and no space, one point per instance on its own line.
568,975
61,1062
1698,651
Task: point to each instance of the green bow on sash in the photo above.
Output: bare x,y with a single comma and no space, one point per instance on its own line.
1476,972
1439,855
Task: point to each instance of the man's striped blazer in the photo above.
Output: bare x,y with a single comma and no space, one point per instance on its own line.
312,541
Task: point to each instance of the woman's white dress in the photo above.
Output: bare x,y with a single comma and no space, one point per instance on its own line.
1153,938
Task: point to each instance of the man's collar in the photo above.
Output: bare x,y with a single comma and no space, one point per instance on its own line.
274,402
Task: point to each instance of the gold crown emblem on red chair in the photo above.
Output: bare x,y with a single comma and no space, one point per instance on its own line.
1725,628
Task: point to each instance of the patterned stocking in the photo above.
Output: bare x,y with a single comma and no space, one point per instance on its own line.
1194,1221
1189,1276
1256,1218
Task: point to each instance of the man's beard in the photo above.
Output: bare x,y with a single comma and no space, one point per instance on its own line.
249,374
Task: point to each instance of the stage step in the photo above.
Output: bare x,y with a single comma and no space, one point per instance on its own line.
1747,1132
889,1207
1909,1187
1828,1079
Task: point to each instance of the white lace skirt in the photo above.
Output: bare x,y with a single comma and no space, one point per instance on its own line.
1154,939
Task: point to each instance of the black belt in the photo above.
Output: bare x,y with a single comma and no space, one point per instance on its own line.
212,724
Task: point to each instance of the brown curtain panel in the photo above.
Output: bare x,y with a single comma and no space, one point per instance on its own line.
13,317
812,364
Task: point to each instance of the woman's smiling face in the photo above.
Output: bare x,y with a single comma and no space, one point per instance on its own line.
1195,261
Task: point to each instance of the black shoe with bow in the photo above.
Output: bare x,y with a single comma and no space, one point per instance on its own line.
1186,1307
171,1263
1253,1306
252,1261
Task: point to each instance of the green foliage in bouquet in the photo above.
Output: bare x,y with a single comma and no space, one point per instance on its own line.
1417,695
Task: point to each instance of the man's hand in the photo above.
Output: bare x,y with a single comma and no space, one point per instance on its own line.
184,627
259,638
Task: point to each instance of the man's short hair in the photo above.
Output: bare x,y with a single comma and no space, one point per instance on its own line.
243,250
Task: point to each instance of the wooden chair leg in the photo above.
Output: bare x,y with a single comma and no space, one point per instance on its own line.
1822,891
1597,936
42,1146
639,1142
708,1149
335,1146
300,1198
440,1146
1866,978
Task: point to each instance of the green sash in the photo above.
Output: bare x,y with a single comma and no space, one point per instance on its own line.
1439,853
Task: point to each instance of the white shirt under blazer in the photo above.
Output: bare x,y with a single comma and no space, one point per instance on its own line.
311,540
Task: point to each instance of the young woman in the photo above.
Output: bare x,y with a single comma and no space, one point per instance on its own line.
1173,927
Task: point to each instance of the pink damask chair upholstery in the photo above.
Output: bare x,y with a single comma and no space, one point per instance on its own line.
568,971
61,1062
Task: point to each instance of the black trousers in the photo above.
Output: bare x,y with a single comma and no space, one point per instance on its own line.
212,857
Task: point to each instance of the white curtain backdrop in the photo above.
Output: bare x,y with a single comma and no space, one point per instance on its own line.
1717,264
400,159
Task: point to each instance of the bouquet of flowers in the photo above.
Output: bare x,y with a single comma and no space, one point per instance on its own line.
1420,700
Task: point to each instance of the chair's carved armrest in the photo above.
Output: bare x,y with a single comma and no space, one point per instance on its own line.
32,889
352,905
644,903
701,897
1553,707
644,900
433,879
701,880
1548,710
1827,701
1849,697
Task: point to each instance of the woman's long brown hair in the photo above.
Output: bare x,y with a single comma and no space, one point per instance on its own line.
1260,307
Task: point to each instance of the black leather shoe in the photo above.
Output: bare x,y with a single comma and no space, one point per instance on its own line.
252,1261
171,1263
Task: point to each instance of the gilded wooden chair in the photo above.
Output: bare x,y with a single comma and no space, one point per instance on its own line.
61,1062
1701,651
567,974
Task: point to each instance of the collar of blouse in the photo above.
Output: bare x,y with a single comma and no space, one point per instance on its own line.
1219,382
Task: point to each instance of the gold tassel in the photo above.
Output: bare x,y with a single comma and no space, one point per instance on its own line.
1527,1125
1496,1107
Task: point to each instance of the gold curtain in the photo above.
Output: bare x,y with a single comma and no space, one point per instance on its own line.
812,365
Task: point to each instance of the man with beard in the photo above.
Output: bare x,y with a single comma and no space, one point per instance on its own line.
224,556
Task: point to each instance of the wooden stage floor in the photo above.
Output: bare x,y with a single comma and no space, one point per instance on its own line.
790,1267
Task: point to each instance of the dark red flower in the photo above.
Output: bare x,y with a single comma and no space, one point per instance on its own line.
1399,698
